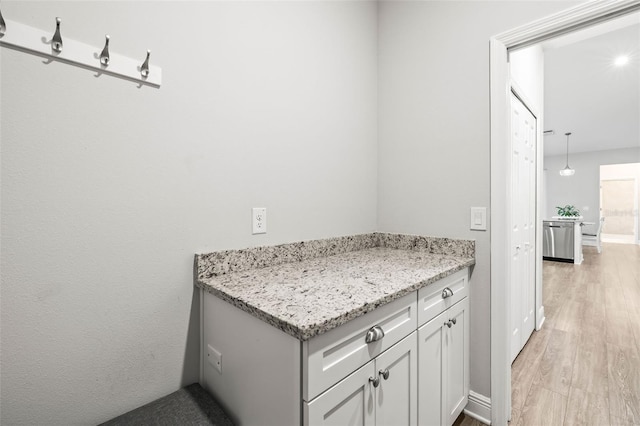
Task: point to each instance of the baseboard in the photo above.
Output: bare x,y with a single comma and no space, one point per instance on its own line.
479,407
541,318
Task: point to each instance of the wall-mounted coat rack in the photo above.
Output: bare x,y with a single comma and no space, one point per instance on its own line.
55,46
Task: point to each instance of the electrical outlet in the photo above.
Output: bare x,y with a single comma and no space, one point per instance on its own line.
215,358
259,220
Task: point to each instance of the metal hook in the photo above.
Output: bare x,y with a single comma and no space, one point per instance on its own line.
144,69
3,25
56,41
104,56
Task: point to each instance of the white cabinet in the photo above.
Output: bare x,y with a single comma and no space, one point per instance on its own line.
443,364
382,392
415,371
332,356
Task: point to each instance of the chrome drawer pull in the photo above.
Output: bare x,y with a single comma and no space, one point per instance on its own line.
453,320
375,381
374,334
448,323
447,293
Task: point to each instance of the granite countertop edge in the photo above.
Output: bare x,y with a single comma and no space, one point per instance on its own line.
304,333
310,287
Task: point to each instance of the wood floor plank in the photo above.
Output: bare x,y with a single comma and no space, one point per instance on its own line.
615,421
570,316
525,367
551,312
593,320
543,407
590,372
618,329
587,408
624,383
556,365
515,416
634,319
575,285
613,293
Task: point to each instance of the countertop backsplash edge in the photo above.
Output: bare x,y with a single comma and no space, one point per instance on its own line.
222,262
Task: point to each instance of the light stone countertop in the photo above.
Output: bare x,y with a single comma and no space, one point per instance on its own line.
316,294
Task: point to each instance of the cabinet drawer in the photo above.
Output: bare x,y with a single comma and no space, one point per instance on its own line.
331,356
346,403
434,299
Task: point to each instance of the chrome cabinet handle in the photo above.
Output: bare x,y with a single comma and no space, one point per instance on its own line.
453,320
374,334
448,323
375,381
447,292
384,373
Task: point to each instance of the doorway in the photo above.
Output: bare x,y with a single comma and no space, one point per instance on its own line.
619,202
579,17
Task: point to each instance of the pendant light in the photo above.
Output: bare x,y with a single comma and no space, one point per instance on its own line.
567,171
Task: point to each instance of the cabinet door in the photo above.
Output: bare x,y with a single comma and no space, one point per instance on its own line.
397,395
430,372
351,402
456,343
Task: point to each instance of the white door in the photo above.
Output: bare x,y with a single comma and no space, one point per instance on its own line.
431,369
523,173
397,393
456,343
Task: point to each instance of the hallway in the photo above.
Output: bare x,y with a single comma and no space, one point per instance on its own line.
583,367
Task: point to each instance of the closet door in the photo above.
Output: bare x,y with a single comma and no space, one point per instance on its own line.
523,171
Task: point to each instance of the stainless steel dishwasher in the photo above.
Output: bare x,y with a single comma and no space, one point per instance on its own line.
558,240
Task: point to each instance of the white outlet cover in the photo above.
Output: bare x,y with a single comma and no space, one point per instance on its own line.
259,220
215,358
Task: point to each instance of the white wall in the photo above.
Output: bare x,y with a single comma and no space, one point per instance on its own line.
582,189
433,72
108,189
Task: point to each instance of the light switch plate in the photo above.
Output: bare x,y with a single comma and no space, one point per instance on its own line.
478,220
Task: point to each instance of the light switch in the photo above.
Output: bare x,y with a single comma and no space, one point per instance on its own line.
478,219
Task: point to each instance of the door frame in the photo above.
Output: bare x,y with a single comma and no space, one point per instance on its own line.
572,19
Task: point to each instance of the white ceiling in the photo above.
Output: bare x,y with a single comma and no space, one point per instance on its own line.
586,94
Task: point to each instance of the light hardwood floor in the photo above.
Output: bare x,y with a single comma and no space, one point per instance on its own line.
583,366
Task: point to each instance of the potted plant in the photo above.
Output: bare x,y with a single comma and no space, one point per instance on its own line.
568,211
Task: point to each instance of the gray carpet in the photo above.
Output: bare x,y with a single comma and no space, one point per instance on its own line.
190,406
